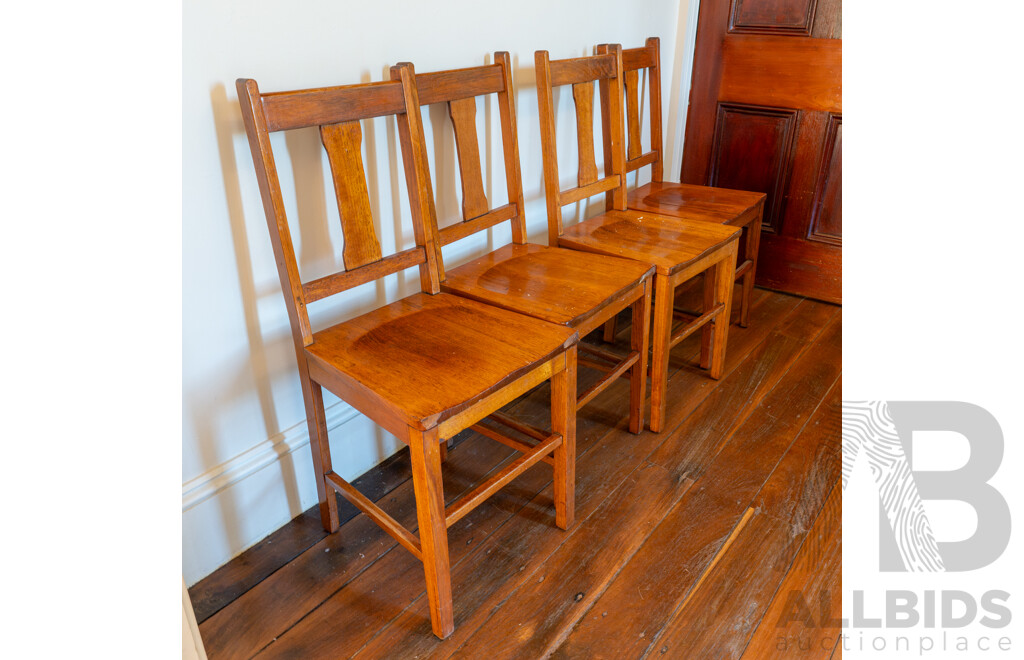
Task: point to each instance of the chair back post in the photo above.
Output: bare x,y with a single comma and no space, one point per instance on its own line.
510,144
417,171
612,116
654,86
255,123
545,103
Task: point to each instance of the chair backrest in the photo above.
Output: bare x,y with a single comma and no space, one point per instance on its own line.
635,60
458,89
337,112
581,72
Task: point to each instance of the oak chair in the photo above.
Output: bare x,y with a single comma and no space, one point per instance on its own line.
579,290
737,208
680,249
424,367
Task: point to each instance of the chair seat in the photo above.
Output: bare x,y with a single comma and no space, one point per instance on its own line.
429,357
682,200
671,244
562,286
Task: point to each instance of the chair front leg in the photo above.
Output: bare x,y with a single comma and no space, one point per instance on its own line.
717,331
640,342
426,480
664,294
563,421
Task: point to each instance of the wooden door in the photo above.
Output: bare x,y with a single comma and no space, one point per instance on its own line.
766,114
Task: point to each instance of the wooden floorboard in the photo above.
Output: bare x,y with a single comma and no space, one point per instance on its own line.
681,537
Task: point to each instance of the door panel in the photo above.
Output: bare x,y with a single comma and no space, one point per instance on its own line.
752,152
772,16
766,115
827,214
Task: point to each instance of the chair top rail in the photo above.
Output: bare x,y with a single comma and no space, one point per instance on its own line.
331,105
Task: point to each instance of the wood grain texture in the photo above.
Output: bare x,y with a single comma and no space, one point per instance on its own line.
753,150
692,533
826,223
782,17
560,286
802,620
570,579
331,105
426,358
455,84
343,143
668,243
707,203
805,73
583,97
463,115
582,69
631,82
720,613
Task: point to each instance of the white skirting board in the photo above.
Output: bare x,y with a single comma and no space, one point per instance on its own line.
239,502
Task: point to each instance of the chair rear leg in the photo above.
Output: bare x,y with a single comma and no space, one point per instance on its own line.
664,294
752,246
425,452
563,421
707,333
724,271
610,329
640,342
318,443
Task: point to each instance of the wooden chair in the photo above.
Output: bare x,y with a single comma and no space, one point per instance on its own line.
737,208
679,249
424,367
575,289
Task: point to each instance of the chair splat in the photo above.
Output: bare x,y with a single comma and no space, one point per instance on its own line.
343,143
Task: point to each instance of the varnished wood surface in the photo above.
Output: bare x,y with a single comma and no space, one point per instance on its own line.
683,200
804,73
427,357
560,286
651,546
668,243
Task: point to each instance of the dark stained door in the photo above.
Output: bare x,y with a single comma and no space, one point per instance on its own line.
766,114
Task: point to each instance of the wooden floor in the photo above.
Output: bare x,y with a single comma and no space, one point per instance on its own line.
717,538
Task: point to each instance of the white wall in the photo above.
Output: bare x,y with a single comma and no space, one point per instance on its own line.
246,468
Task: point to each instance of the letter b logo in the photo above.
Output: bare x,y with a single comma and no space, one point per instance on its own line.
883,431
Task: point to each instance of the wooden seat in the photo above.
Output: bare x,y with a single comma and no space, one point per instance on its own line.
680,249
738,208
424,367
573,289
426,358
